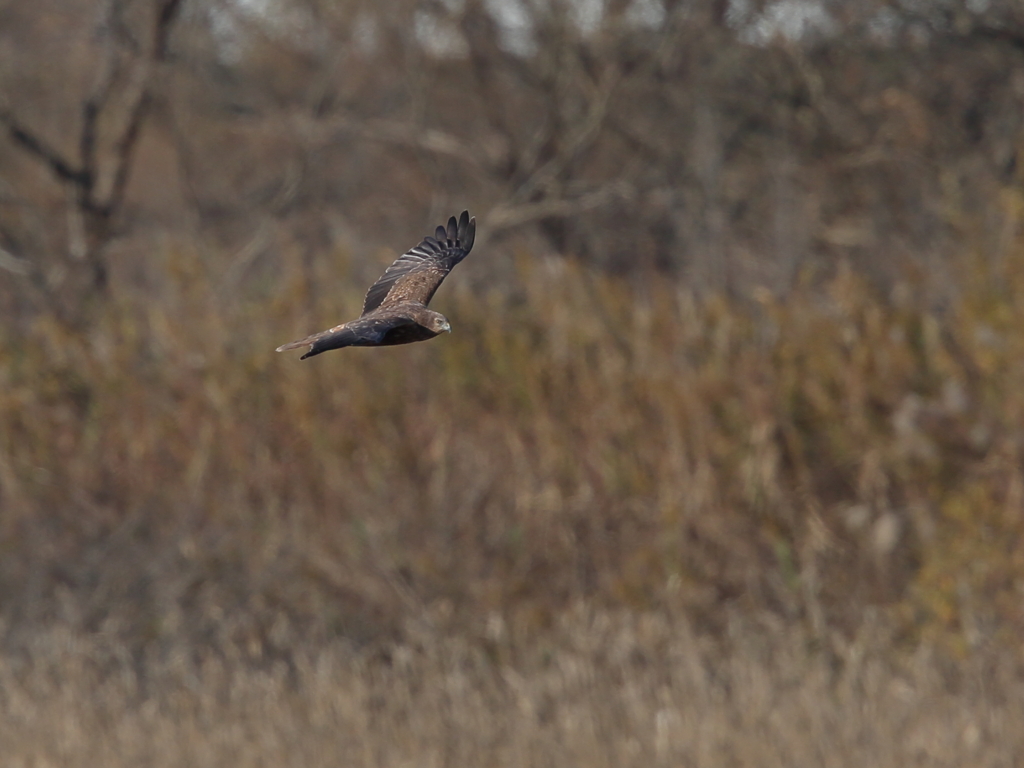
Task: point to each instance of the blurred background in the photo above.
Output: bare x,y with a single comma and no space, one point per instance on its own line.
721,465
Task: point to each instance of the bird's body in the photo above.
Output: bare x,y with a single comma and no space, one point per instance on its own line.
395,310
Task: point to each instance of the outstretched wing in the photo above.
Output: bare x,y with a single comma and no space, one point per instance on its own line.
417,274
363,332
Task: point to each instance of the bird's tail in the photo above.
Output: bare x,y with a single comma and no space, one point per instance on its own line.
309,341
289,345
300,343
333,338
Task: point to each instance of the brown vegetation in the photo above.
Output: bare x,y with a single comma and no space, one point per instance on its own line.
179,498
770,514
603,690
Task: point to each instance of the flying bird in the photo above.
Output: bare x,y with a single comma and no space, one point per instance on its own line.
395,309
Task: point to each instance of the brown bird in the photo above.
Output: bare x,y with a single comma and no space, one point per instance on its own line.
395,310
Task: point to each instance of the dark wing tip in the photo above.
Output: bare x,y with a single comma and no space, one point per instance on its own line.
466,231
439,253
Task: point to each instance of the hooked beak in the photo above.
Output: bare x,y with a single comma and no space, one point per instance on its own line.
447,327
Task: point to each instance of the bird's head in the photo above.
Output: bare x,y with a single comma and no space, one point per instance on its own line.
440,324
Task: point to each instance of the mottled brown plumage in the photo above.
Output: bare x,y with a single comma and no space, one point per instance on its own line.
395,310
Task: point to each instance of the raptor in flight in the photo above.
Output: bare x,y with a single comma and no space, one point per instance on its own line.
395,310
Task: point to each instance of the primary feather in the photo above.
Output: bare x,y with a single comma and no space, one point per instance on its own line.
417,273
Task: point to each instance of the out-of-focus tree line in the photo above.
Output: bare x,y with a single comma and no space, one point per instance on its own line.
830,422
736,144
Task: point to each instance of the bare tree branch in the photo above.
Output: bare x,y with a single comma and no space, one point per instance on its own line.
506,216
35,146
11,263
97,203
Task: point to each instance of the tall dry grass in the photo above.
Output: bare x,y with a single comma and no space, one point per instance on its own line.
603,689
410,552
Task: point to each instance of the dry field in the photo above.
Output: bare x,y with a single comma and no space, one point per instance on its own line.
601,690
602,523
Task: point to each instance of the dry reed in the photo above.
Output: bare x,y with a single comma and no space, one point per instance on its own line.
513,545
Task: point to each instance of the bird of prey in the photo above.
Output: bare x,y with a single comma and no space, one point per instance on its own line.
395,310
